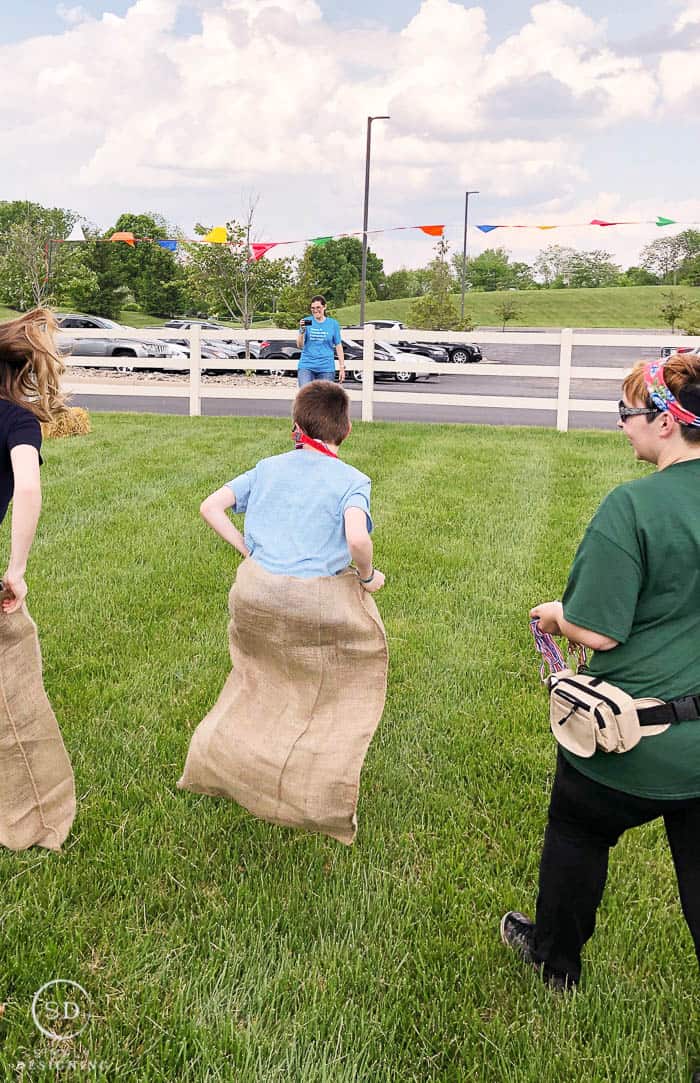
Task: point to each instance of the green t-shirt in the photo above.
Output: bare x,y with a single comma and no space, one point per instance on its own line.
636,578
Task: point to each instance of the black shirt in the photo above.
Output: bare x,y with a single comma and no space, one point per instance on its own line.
17,426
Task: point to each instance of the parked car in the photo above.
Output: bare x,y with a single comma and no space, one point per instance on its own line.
385,355
667,351
112,346
459,353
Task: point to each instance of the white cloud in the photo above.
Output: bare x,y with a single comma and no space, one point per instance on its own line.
266,95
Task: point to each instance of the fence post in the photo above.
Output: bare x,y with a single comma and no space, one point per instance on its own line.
368,374
195,333
564,389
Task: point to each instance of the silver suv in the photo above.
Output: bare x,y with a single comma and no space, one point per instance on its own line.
112,345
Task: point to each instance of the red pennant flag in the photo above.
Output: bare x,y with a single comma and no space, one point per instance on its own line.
259,250
600,222
433,231
127,237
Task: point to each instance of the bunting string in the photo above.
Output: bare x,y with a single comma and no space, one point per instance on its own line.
219,236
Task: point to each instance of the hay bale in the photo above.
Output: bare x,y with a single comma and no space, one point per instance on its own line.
75,422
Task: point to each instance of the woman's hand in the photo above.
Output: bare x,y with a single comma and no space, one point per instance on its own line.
16,586
549,616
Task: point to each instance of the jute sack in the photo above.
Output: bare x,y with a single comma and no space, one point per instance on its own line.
37,799
288,735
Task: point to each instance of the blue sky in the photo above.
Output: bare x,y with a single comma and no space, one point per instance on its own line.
557,112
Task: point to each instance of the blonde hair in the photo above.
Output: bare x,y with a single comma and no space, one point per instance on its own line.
30,364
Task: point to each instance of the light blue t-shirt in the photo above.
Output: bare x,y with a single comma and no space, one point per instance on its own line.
320,340
294,505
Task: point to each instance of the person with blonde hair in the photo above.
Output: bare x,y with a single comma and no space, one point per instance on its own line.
30,372
37,803
633,598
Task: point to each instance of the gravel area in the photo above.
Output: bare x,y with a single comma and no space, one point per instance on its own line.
94,376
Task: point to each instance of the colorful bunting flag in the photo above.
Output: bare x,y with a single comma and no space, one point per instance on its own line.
487,229
217,235
128,238
171,246
664,221
324,240
259,250
433,231
76,234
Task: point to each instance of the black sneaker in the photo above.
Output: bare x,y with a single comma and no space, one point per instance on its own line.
518,932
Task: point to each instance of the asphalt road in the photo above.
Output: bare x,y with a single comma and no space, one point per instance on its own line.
523,354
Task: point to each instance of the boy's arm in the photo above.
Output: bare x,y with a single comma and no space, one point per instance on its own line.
26,508
360,546
213,511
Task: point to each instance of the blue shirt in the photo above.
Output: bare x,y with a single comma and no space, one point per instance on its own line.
320,338
294,505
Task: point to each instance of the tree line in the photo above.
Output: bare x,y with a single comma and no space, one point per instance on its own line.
37,267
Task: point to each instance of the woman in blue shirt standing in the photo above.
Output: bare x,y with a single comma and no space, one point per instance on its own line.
318,337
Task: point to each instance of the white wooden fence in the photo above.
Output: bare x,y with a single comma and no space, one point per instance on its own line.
561,406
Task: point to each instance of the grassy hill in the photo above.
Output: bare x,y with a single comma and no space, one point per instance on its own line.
630,306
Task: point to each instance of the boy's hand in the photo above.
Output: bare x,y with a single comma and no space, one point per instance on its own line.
376,582
16,589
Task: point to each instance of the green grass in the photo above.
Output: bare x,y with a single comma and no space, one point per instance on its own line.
218,947
631,306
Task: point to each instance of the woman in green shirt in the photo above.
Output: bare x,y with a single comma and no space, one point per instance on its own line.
633,597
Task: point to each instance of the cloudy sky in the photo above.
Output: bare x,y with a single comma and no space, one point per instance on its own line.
555,112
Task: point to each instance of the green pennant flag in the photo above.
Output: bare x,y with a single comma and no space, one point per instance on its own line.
665,221
321,240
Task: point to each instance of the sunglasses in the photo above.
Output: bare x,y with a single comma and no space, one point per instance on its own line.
626,411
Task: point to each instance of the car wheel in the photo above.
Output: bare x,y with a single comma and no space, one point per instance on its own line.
461,357
124,366
357,375
405,377
276,372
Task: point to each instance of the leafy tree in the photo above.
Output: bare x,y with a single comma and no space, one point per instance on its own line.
638,276
151,273
228,280
27,267
553,263
336,267
492,270
672,307
663,256
508,309
592,269
92,279
401,283
436,310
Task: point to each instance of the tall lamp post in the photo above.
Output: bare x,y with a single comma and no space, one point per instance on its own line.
363,281
464,247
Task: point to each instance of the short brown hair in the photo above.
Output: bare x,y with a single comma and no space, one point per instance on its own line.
322,411
681,376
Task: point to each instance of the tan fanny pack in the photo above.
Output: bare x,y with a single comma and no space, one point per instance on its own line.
587,713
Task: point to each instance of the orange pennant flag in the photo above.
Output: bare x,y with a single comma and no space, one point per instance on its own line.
433,231
128,238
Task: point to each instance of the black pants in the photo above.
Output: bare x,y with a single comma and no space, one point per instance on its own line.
585,820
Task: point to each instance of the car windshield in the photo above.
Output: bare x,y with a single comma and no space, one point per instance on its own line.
388,347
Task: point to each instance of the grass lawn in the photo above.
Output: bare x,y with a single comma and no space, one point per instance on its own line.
629,306
218,947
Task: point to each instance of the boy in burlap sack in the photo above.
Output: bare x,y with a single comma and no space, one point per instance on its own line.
37,803
288,735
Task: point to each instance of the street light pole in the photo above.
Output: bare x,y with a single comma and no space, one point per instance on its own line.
464,248
363,280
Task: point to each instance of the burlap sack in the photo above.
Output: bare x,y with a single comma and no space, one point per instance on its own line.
37,798
288,735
